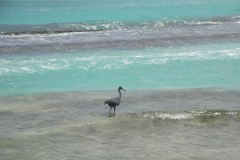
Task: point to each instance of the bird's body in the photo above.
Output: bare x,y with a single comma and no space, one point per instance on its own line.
114,101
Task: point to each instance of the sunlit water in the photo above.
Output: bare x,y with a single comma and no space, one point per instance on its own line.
179,63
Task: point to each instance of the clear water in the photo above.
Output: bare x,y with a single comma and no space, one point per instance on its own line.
208,65
179,62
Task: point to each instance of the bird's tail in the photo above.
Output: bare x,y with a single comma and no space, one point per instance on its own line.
106,102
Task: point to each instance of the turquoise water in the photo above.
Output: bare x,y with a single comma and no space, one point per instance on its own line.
44,12
80,15
179,62
211,65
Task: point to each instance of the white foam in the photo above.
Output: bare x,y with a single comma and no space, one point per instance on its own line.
50,66
127,61
26,69
168,115
176,116
4,71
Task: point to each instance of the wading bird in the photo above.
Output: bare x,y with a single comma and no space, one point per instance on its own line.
115,101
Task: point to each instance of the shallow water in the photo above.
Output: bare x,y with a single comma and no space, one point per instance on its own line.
178,62
208,65
170,124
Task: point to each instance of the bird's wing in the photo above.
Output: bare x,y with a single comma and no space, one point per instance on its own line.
115,101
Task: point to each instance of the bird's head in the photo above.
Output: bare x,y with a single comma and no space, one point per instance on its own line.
120,88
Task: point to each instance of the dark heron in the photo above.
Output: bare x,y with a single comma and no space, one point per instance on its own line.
115,101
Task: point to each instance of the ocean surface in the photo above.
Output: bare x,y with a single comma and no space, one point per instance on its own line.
179,62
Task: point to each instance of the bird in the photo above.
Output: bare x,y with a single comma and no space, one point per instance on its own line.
114,101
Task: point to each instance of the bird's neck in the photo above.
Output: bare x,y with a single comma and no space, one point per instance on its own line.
119,93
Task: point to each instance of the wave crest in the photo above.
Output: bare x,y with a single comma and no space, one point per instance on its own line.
91,26
200,116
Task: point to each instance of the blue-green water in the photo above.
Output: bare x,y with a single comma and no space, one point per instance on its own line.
77,11
179,62
208,65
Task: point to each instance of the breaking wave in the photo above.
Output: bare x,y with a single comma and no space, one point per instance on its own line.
198,116
92,26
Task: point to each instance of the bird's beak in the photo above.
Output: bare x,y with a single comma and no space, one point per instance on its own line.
123,89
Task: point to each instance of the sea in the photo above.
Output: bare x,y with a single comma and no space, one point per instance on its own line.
178,60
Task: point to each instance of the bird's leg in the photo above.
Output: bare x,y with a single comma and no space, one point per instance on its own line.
110,109
114,109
